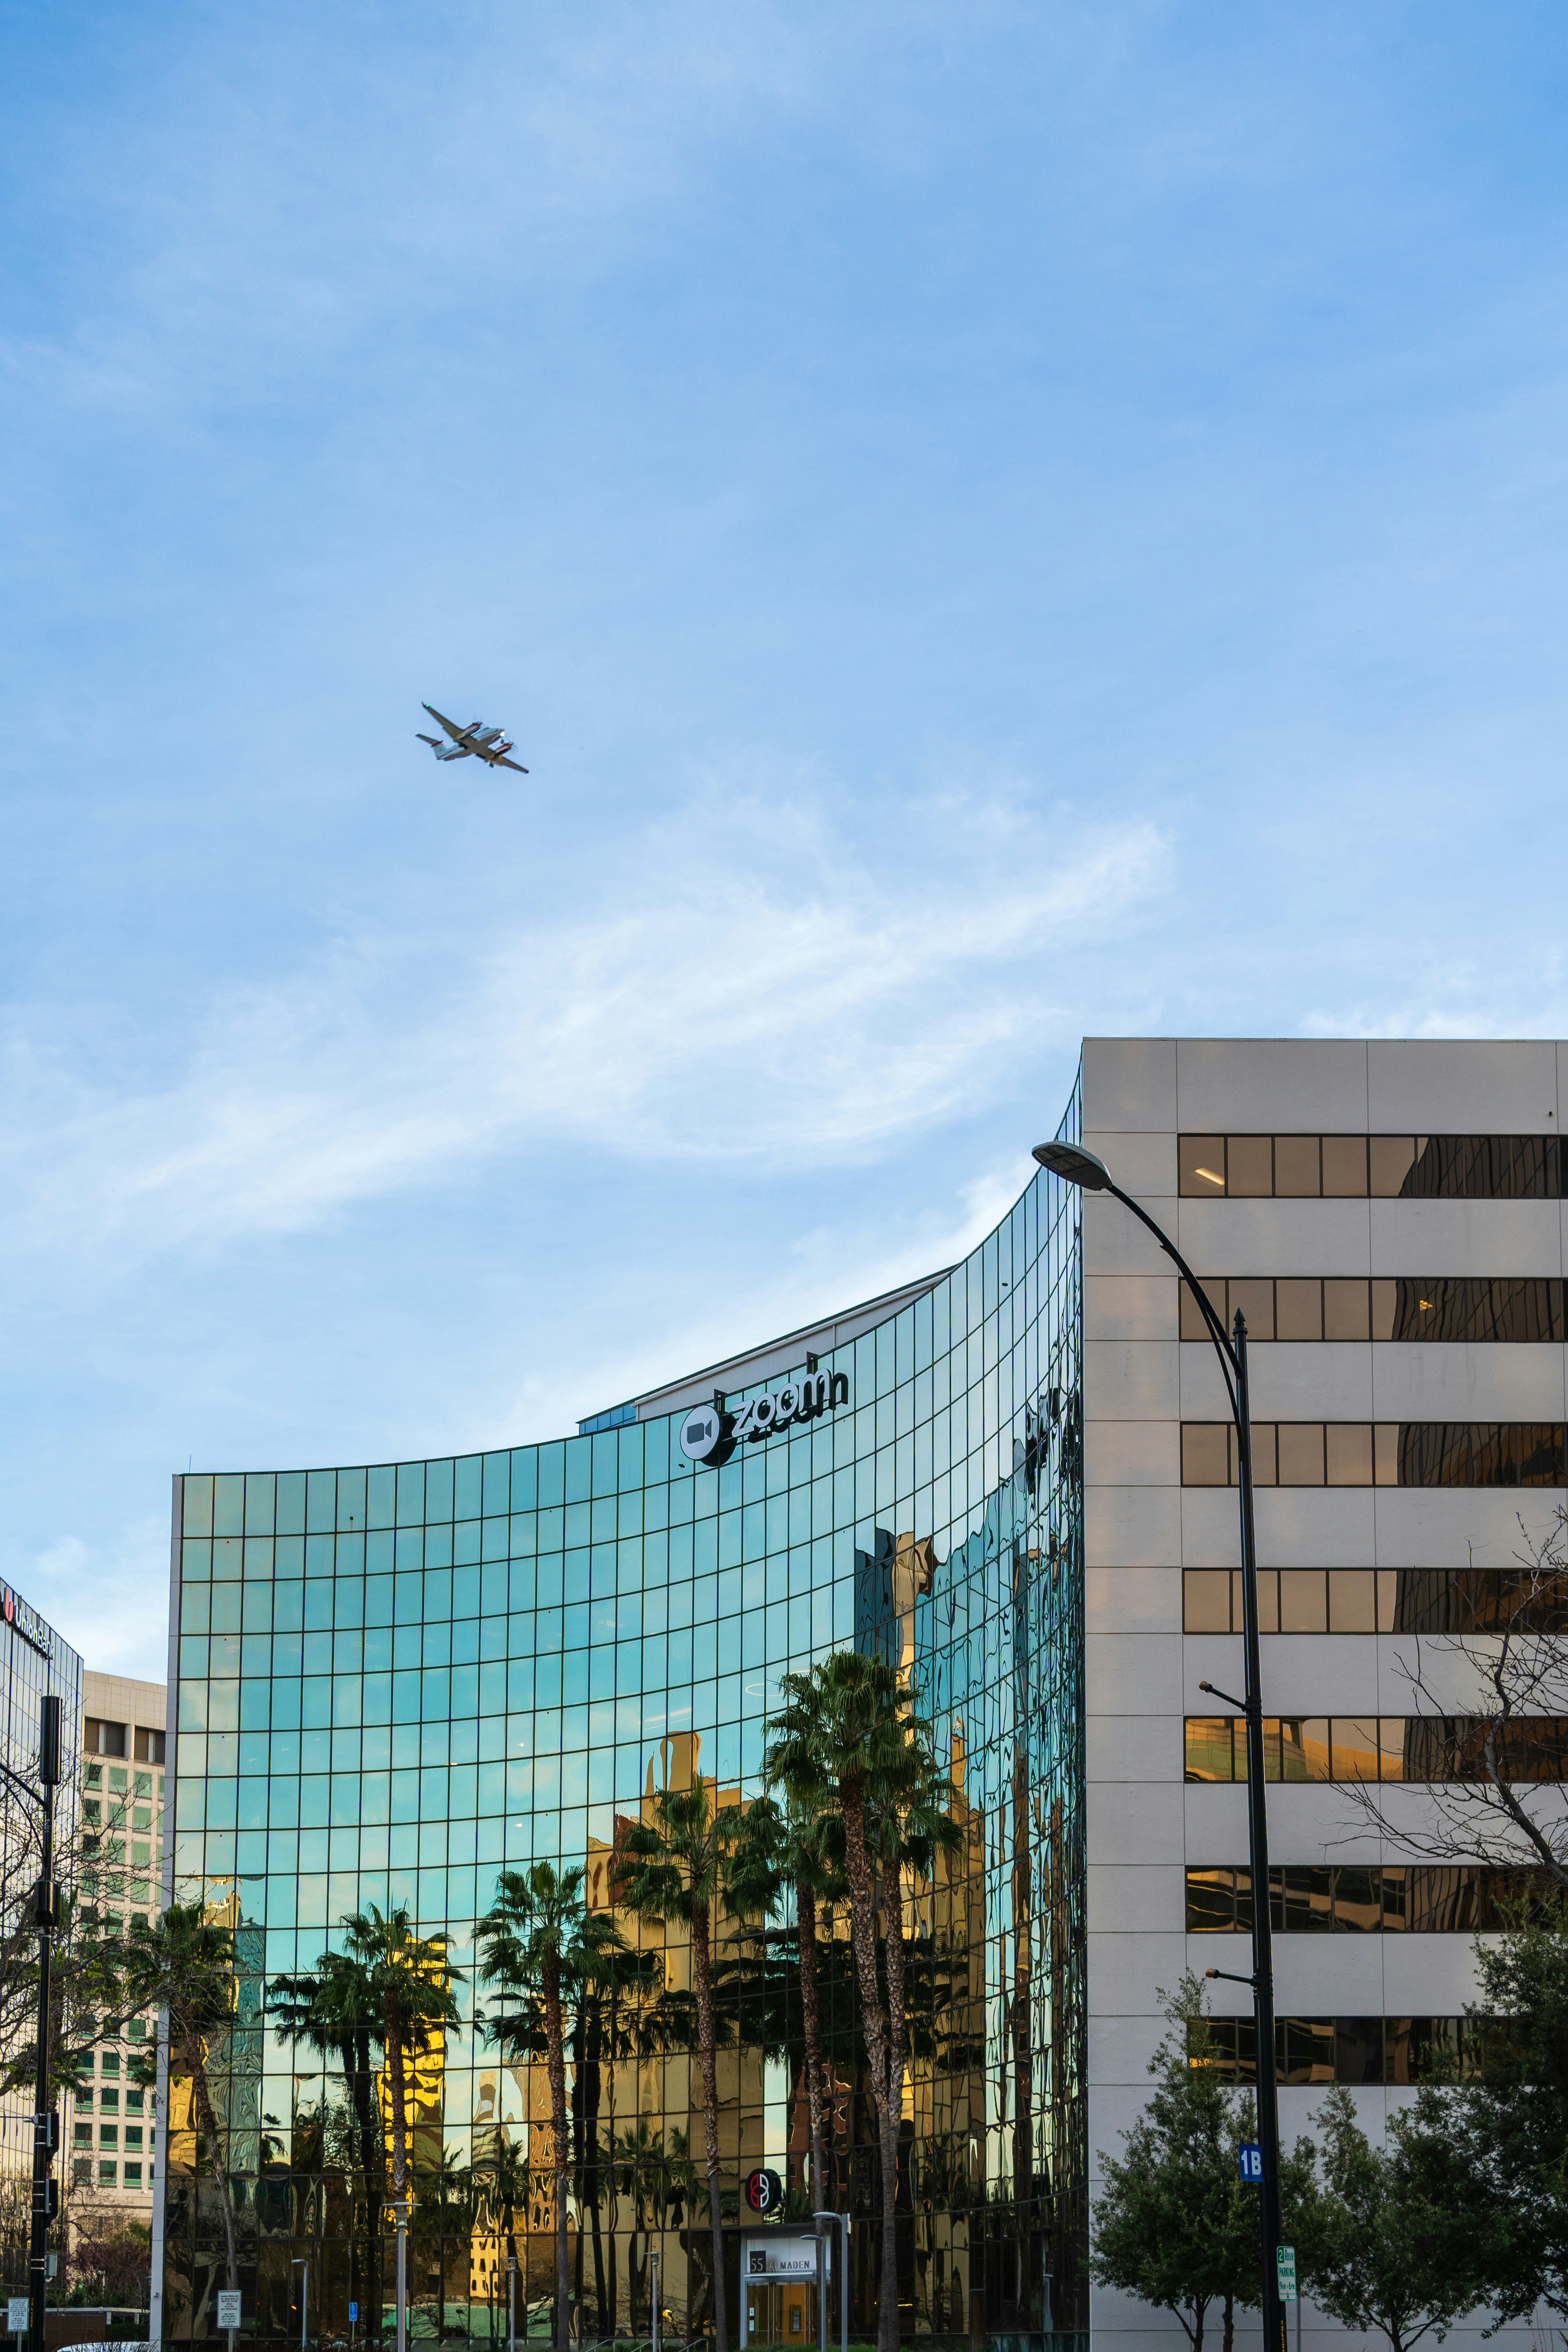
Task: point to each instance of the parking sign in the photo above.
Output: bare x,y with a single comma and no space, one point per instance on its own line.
1286,2258
229,2307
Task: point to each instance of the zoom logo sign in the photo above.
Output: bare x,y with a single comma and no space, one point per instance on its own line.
711,1433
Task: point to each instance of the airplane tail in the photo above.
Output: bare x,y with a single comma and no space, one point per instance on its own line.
434,742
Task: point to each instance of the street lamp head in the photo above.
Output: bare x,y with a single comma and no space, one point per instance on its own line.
1074,1165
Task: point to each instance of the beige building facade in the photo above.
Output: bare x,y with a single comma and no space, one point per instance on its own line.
109,2127
1389,1216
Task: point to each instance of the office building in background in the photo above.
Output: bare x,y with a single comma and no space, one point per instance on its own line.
109,2123
1011,1480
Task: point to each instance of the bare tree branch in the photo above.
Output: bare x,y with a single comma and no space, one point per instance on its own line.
1493,1776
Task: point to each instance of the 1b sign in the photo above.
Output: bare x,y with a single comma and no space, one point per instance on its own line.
1286,2258
1251,2161
228,2307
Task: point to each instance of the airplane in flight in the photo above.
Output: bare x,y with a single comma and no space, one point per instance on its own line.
474,741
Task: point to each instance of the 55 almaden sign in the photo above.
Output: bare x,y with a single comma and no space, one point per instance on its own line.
711,1433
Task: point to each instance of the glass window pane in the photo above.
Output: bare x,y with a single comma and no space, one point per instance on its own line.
1208,1748
1348,1453
1385,1453
1344,1166
1300,1453
1393,1156
1207,1599
1267,1601
1358,1901
1306,2049
1249,1166
1297,1311
1355,1748
1303,1601
1352,1601
1305,1747
1345,1311
1211,1902
1256,1300
1205,1453
1193,1324
1296,1166
1200,1162
1358,2049
1385,1308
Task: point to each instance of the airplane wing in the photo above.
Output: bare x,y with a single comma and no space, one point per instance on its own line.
457,733
498,761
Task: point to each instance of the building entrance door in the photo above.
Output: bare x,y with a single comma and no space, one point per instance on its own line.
780,2311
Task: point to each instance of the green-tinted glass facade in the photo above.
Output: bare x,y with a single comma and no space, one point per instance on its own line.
394,1680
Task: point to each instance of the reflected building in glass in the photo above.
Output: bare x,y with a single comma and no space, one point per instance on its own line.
394,1680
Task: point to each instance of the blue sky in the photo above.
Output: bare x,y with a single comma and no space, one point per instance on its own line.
987,523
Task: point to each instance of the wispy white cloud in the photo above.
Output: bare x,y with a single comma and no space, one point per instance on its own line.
770,995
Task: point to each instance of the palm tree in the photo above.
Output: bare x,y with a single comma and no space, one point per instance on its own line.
406,1987
508,2178
184,1964
332,2010
676,1871
539,1939
844,1740
779,1850
909,1823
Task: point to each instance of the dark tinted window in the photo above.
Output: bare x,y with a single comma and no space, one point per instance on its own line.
1408,1167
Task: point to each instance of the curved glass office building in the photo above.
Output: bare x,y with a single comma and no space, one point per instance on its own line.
395,1679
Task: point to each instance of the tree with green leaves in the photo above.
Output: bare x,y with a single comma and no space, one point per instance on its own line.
184,1964
1173,2224
675,1870
845,1738
540,1945
332,2009
1500,2136
1394,2251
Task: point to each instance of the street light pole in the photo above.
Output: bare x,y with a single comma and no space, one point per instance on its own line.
1076,1165
45,2121
301,2263
400,2214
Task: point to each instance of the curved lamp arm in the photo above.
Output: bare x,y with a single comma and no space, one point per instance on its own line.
1076,1165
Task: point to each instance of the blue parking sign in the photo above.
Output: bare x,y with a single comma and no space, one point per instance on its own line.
1251,2162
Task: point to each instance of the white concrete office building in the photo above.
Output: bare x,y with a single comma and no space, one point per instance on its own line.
1390,1217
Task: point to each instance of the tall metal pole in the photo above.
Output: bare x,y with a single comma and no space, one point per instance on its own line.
653,2267
1274,2314
1077,1165
511,2302
400,2210
46,2126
